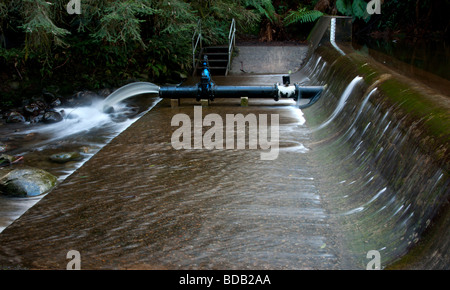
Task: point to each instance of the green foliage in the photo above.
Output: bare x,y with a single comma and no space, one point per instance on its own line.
40,30
354,8
3,15
176,18
119,22
114,40
216,17
263,8
302,15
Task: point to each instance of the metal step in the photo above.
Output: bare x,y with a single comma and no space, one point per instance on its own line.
214,68
217,58
216,55
216,48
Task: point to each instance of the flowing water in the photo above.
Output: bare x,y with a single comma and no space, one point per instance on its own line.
128,91
347,180
146,205
385,190
84,129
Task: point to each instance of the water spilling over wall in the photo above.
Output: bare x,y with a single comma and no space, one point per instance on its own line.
382,142
373,177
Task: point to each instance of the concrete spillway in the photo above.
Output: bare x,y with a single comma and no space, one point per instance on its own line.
367,170
384,146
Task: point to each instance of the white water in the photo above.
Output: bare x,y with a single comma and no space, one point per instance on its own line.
84,119
130,90
85,125
342,101
80,120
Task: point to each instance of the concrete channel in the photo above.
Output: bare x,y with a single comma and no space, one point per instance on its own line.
361,172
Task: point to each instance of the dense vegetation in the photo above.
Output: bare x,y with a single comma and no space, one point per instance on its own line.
43,47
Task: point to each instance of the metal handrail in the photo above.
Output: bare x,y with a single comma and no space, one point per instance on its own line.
231,42
198,33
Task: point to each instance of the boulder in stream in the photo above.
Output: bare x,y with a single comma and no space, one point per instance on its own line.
8,160
65,157
26,182
82,98
15,117
52,117
32,109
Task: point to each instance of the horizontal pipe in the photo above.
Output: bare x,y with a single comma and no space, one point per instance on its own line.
215,91
179,92
244,91
310,92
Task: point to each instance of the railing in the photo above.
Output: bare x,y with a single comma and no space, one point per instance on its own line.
231,42
196,39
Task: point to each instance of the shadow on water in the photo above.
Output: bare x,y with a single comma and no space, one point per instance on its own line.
428,55
426,61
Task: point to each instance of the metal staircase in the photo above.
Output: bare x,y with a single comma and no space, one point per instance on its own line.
219,57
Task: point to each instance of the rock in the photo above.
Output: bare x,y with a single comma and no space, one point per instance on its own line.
26,182
6,160
41,104
55,103
65,157
15,117
83,98
39,101
37,119
108,109
32,109
104,92
52,117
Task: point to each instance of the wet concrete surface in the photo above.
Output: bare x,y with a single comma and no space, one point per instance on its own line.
140,204
267,59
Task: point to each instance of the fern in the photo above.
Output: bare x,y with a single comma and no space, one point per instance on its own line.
120,22
344,7
41,31
264,7
354,8
302,15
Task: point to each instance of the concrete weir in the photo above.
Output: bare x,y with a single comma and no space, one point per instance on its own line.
363,172
383,150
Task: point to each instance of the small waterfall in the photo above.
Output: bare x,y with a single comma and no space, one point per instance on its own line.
88,127
108,114
342,101
130,90
385,188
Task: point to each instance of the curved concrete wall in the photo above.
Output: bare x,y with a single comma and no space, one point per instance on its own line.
382,140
